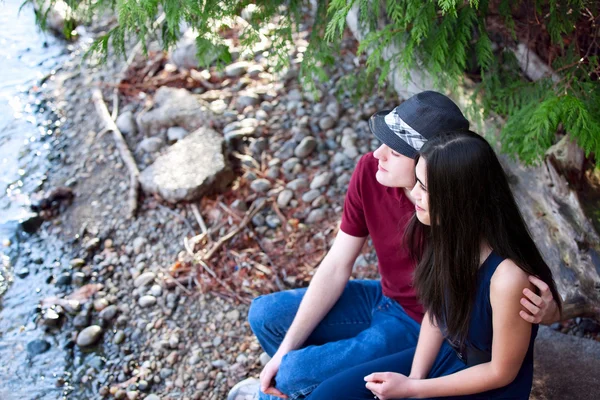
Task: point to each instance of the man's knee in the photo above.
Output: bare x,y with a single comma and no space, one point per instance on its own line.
261,313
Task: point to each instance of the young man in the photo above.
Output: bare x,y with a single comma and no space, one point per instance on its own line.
313,333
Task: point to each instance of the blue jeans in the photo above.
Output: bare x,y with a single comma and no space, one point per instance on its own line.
362,326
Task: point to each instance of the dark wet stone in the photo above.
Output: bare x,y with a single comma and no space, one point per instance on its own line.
23,272
31,223
37,346
64,280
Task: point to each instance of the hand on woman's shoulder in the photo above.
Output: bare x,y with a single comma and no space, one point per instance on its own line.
509,277
508,283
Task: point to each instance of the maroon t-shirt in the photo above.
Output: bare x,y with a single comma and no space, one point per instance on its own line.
383,212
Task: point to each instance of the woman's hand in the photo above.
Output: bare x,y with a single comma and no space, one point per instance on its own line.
541,309
390,385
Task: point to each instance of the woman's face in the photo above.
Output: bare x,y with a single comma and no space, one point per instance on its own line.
420,194
395,169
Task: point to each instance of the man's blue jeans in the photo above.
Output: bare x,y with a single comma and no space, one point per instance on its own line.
362,326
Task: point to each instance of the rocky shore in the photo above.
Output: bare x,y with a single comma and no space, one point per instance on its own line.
139,316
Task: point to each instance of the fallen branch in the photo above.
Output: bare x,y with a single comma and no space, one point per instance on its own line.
134,173
200,220
254,209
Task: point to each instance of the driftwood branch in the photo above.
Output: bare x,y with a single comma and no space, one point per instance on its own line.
134,173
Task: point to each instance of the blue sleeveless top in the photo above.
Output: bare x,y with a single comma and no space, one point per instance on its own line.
481,334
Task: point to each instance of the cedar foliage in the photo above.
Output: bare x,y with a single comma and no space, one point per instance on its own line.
450,39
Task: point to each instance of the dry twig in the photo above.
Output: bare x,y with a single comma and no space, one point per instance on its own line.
134,173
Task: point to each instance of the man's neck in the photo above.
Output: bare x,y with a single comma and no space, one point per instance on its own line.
407,193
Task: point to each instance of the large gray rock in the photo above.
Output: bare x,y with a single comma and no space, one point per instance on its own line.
566,367
185,54
189,169
174,107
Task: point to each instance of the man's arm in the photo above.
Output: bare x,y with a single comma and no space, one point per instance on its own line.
324,290
542,308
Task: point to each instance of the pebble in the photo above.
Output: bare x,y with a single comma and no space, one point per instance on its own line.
126,123
119,337
272,221
147,301
306,147
260,185
173,341
321,180
77,262
326,123
237,69
310,195
176,133
132,395
246,99
22,273
333,109
172,358
315,216
297,184
289,164
284,197
233,315
64,280
156,290
138,244
89,336
258,220
152,397
165,373
37,346
151,145
219,364
143,385
109,313
100,304
144,279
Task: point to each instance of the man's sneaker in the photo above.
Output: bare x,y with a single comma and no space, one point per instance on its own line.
245,390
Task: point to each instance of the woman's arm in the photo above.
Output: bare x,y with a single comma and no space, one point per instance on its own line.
509,346
428,347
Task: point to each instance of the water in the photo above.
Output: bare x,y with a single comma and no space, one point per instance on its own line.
27,131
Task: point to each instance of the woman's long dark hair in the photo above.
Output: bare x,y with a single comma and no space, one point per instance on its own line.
470,202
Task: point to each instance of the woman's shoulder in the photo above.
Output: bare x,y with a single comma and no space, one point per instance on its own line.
509,278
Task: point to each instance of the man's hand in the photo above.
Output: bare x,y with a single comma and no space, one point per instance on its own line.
542,309
390,385
267,377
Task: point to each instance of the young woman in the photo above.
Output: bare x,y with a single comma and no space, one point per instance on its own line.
474,256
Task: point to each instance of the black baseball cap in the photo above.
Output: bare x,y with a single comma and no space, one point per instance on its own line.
419,118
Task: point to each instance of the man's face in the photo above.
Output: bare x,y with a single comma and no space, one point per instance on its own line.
395,169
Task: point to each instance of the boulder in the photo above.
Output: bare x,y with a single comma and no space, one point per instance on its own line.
174,107
185,54
189,169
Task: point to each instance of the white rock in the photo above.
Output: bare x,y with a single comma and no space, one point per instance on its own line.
147,301
189,169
